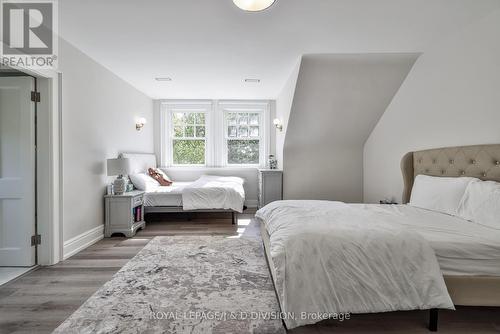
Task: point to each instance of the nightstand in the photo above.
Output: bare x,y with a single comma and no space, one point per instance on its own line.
124,213
270,186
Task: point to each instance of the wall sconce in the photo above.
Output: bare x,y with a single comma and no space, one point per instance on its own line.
277,124
140,123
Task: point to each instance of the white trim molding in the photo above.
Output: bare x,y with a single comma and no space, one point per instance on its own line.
82,241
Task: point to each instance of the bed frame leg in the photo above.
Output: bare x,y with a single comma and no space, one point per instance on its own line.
433,320
233,217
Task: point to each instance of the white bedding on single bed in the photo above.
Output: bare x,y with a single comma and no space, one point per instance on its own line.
462,247
362,261
214,192
166,196
208,192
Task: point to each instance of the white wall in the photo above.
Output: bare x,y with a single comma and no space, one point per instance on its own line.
98,121
451,97
338,100
283,107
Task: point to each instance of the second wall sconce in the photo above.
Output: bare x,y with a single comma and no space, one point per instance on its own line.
140,123
277,124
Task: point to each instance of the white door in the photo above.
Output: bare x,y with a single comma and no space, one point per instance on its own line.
17,171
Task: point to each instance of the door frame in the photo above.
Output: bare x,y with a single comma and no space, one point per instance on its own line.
49,169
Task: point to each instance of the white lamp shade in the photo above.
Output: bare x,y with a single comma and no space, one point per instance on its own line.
253,5
120,166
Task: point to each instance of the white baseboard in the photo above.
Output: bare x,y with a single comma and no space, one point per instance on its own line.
82,241
253,203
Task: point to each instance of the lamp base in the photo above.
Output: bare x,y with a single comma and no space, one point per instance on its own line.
120,185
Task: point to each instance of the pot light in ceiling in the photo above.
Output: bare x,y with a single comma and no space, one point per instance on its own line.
253,5
163,79
252,80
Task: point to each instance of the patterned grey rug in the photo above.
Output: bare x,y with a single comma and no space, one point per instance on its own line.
185,285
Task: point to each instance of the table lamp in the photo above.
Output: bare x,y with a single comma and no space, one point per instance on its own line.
120,167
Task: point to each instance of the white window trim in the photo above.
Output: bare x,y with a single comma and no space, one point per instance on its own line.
245,107
215,128
168,108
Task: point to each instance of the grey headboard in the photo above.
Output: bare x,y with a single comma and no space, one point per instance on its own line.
140,162
481,161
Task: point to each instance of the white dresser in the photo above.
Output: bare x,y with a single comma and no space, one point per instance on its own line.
270,186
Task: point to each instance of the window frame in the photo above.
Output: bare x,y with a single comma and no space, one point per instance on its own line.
215,130
169,109
250,109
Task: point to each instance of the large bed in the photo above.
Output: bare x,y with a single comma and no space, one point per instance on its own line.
467,254
209,193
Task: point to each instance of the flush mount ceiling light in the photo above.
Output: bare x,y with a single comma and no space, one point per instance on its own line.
253,5
163,79
252,80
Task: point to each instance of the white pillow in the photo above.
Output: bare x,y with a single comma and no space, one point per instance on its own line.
442,194
481,203
143,181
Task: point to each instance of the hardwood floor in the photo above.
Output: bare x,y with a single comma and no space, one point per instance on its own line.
40,300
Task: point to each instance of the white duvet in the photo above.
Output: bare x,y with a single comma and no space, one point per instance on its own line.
330,257
214,192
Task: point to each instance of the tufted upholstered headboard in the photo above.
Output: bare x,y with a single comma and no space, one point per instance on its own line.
481,161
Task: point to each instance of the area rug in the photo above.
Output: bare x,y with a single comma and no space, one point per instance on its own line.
185,285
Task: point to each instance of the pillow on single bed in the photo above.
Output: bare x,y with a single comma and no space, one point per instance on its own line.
442,194
143,181
481,203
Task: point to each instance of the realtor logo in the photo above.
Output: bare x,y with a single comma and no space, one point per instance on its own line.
28,33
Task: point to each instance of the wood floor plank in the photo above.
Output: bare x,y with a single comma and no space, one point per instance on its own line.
103,262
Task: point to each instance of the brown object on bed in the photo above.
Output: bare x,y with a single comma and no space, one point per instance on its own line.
480,161
158,176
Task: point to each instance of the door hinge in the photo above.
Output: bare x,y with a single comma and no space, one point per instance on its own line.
35,96
36,240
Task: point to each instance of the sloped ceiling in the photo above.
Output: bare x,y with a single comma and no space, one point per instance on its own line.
208,47
338,101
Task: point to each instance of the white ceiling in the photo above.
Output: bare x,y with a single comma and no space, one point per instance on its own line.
208,47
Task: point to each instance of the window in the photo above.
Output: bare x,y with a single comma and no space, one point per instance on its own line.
189,138
243,137
214,133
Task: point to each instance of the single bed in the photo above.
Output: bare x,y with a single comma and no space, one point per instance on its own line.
468,254
209,193
170,196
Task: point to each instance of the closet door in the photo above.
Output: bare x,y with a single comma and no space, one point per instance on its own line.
17,172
